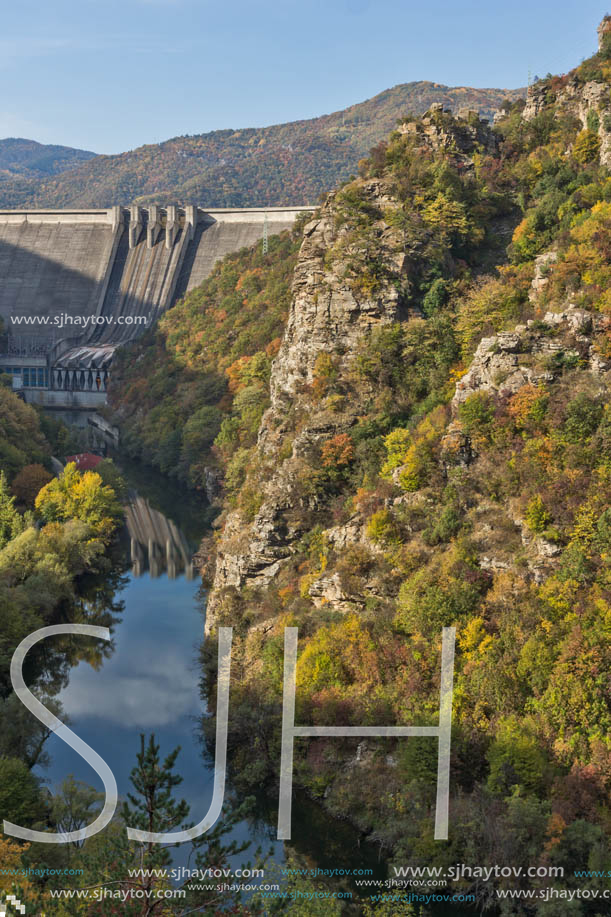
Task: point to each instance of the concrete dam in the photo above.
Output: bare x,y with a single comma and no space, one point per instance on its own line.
76,284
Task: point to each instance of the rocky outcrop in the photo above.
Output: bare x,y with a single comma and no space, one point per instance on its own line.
328,316
589,103
502,364
458,137
540,279
533,354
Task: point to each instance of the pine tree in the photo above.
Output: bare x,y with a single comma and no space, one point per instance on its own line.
111,859
154,809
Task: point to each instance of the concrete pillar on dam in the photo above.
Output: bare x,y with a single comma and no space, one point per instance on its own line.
116,217
154,226
171,225
135,225
191,215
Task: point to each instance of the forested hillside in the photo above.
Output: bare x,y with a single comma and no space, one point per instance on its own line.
436,453
25,163
290,163
201,376
29,159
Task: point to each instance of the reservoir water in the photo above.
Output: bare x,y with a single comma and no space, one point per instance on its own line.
150,682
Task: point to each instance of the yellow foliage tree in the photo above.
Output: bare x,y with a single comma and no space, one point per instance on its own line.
80,496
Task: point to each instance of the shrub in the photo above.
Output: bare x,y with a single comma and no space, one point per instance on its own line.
237,469
584,414
586,147
250,500
515,759
593,121
325,373
605,47
427,602
477,413
435,298
382,528
445,526
418,464
491,305
199,432
338,451
537,517
396,444
528,406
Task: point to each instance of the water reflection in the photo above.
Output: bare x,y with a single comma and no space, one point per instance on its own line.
149,682
157,545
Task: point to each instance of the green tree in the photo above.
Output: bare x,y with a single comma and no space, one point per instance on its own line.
20,798
199,433
75,805
22,735
152,807
110,856
112,477
435,298
515,758
537,517
11,523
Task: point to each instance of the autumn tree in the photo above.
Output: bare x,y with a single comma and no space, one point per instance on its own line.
80,496
29,482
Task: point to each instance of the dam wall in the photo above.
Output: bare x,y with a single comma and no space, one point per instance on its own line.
76,284
50,265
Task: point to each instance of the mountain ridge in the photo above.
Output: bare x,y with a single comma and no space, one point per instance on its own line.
293,162
29,158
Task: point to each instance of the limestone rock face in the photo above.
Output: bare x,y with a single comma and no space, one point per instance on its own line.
540,280
326,312
602,30
502,364
328,315
460,138
576,100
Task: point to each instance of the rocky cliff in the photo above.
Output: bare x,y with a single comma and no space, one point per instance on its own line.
346,283
582,94
437,452
328,316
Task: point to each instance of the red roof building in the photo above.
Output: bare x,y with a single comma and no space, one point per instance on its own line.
85,461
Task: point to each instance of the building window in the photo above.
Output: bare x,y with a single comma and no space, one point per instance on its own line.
35,376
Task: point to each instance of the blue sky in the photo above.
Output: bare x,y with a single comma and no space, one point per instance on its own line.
110,75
